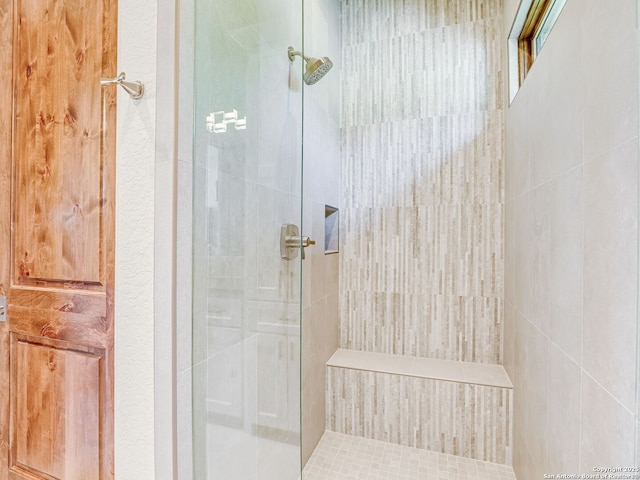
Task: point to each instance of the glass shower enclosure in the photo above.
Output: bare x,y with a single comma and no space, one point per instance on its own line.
246,185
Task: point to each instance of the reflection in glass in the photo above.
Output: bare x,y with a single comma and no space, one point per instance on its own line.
246,299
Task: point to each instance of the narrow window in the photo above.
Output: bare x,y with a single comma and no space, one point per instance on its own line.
548,21
531,28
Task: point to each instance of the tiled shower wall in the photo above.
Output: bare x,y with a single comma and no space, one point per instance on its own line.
422,186
456,418
571,261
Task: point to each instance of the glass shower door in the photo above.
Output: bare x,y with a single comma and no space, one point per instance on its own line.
247,184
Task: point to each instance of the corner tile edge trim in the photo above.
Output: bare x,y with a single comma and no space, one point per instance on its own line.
447,370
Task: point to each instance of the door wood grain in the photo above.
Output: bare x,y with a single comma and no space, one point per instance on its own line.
57,192
57,403
6,95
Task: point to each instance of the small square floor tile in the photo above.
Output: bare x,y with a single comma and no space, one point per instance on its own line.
345,457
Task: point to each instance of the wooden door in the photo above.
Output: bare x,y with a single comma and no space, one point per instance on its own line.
57,166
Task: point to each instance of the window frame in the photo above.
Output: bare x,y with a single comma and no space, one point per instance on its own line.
523,47
538,13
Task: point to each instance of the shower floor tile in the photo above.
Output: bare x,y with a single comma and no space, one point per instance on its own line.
345,457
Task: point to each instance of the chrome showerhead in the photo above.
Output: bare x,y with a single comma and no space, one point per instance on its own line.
316,68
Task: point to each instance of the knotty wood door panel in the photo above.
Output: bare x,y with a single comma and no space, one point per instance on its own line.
57,128
57,186
6,95
56,398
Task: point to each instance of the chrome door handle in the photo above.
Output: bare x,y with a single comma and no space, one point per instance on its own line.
291,241
296,241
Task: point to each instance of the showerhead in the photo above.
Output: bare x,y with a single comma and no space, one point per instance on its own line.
316,67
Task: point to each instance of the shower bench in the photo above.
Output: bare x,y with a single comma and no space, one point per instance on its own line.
458,408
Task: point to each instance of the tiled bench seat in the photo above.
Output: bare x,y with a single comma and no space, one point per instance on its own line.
458,408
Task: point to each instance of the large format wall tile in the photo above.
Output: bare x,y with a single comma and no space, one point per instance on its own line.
422,179
610,96
563,416
531,387
573,244
637,462
566,257
607,429
522,239
611,271
536,304
551,114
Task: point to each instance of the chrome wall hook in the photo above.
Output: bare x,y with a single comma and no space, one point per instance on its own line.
134,89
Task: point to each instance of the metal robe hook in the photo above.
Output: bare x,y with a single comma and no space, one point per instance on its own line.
134,89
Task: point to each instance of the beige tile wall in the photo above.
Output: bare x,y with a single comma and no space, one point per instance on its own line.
571,244
422,182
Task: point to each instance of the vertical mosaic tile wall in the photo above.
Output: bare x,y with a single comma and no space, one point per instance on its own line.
462,419
422,181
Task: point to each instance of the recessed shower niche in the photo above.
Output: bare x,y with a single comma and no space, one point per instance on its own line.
331,230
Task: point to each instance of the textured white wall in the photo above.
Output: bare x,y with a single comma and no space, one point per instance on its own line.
134,314
165,244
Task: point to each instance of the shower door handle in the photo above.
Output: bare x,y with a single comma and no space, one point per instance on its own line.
295,241
291,241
